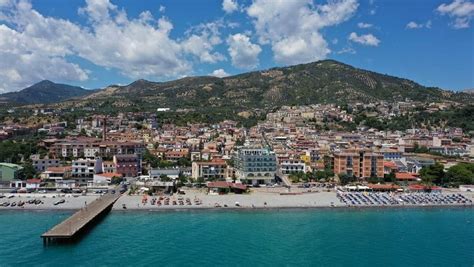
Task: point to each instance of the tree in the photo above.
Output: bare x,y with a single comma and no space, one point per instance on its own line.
390,177
83,132
164,178
200,180
462,173
420,149
28,171
182,179
344,178
184,162
432,174
116,180
151,159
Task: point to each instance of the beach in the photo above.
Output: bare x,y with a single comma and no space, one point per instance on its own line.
200,199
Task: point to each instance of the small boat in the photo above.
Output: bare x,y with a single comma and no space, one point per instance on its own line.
124,206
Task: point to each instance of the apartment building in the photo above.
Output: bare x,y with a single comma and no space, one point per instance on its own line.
41,164
127,165
290,166
361,164
83,170
210,170
255,165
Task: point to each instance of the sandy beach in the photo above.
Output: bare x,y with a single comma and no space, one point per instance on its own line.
71,202
258,199
253,200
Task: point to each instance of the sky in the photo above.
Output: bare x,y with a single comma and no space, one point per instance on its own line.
96,43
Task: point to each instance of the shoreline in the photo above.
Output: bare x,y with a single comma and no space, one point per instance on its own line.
247,202
246,209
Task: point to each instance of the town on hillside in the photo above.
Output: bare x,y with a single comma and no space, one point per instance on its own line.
297,151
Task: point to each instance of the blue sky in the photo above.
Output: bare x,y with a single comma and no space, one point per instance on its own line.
96,43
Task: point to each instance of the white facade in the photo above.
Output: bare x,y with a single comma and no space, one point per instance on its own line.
42,164
84,169
292,166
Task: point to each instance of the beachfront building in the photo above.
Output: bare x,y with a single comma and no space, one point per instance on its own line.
127,165
9,172
255,165
172,173
104,178
56,173
361,164
290,166
108,166
209,170
83,170
41,164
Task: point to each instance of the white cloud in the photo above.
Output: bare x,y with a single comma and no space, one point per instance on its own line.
364,39
363,25
162,8
461,10
292,28
229,6
30,56
201,41
244,54
414,25
219,73
35,47
347,50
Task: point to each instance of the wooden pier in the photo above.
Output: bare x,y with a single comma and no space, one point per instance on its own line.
73,226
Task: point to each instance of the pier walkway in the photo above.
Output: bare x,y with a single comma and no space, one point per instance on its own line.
85,217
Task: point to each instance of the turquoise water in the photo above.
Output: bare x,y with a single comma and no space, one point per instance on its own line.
404,237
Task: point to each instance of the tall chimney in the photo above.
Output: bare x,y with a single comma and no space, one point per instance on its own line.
104,129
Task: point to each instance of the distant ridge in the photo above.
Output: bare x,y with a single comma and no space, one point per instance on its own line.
44,92
325,81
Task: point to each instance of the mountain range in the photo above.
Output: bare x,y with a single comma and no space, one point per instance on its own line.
325,81
44,92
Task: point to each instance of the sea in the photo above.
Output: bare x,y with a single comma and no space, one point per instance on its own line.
305,237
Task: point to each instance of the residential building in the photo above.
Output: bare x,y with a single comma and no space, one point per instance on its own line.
289,166
172,173
360,163
57,173
41,164
83,170
210,170
108,167
255,165
415,164
127,165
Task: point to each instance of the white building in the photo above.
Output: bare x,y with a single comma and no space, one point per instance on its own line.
289,166
41,164
83,170
255,165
